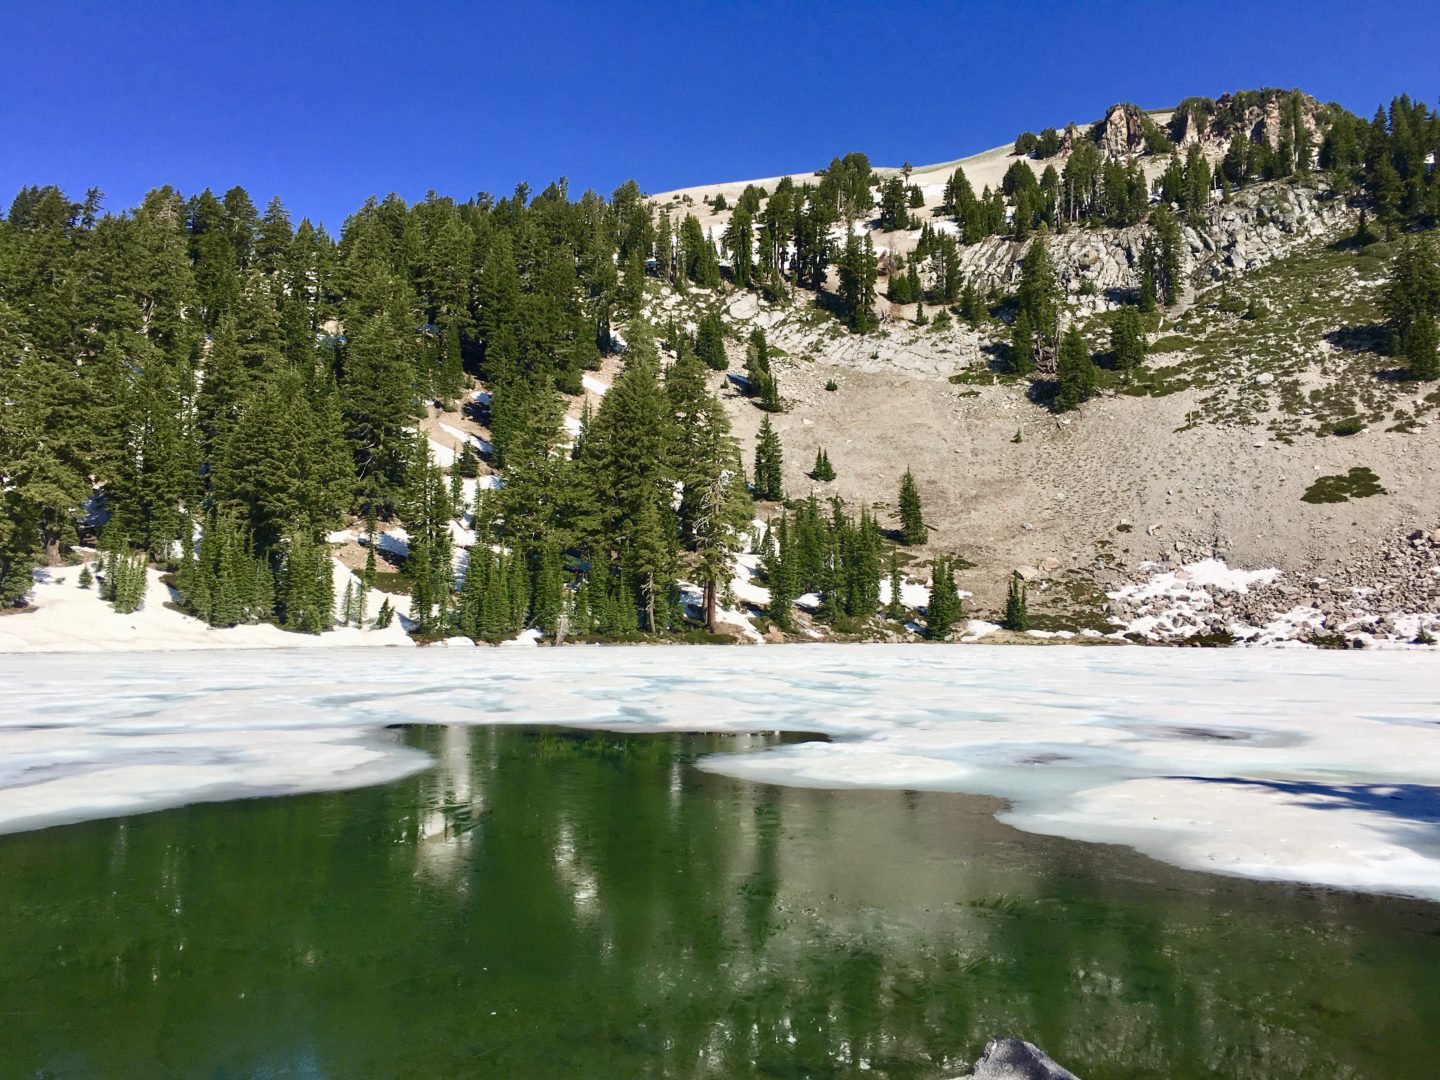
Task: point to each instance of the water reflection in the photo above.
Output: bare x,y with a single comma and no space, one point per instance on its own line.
547,903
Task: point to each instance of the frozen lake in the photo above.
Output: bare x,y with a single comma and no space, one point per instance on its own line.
543,902
1313,767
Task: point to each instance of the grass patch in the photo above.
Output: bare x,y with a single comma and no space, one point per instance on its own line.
1169,343
393,582
1358,483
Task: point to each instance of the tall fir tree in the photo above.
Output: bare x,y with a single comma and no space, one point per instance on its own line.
913,530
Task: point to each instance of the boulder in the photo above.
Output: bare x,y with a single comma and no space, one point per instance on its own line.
1015,1059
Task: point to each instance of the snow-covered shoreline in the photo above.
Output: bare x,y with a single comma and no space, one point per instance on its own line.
1292,765
69,619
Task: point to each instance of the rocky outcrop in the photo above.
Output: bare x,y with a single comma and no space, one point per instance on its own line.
1213,125
1015,1059
1099,267
1123,135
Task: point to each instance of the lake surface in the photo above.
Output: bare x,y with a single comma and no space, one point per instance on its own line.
547,902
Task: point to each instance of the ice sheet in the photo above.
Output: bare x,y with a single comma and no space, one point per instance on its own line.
1309,766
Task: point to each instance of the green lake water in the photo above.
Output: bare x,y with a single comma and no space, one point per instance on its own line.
562,904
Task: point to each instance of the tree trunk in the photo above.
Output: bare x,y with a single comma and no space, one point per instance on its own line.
712,623
650,602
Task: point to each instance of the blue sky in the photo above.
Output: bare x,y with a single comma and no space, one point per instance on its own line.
326,103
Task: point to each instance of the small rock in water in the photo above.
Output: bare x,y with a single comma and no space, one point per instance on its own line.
1015,1059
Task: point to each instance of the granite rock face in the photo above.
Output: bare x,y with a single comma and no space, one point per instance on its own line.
1258,225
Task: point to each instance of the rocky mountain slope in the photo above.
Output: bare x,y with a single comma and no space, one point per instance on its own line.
1267,383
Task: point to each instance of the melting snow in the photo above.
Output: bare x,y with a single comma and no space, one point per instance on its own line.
1297,765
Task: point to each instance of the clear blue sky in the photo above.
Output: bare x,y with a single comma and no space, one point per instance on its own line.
326,103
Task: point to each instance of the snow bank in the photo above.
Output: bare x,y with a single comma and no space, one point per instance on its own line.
69,619
441,454
912,594
1297,765
481,445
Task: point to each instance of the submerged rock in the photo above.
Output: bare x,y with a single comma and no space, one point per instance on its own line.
1016,1059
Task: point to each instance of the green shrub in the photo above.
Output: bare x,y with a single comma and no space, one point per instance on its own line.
1358,483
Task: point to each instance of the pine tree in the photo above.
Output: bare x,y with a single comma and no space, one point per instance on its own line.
895,608
1160,261
307,583
548,589
1419,347
1411,303
944,608
1017,614
913,531
347,605
1022,346
1127,339
1038,297
823,471
768,463
740,240
710,342
1076,372
86,579
858,273
780,575
759,379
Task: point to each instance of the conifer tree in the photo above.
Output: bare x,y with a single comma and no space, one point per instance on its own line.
768,463
307,584
710,342
780,575
1419,347
548,589
823,471
1038,297
1411,303
1127,339
759,379
1160,260
913,531
1076,372
944,607
1022,345
896,607
1017,614
740,240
